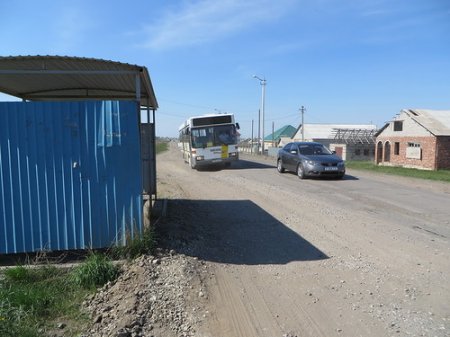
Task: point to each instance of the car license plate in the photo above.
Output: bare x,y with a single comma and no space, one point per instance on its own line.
331,168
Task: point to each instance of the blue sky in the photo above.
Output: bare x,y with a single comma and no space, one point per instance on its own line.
346,61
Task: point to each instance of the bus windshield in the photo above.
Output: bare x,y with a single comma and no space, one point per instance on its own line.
213,136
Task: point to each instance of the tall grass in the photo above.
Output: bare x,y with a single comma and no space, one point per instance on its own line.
439,175
96,271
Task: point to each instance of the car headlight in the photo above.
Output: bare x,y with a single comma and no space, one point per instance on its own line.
199,158
310,162
341,163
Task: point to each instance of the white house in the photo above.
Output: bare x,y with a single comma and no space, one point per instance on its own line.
350,141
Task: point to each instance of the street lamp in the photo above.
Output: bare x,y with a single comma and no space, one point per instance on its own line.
263,96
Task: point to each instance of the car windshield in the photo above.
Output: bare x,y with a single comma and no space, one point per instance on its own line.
313,150
213,136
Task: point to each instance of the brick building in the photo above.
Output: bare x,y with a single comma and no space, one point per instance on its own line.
416,139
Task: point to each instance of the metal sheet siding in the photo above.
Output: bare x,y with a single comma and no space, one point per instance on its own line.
70,175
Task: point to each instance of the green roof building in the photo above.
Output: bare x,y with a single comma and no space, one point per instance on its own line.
286,131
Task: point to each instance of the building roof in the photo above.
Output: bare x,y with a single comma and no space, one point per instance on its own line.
49,78
435,121
285,131
327,131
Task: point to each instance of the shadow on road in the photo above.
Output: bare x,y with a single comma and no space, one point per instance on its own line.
238,165
247,164
350,177
229,231
346,177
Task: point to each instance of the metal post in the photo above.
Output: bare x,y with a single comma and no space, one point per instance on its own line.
251,142
263,85
273,131
263,97
302,109
259,131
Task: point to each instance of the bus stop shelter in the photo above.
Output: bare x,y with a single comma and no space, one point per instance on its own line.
122,98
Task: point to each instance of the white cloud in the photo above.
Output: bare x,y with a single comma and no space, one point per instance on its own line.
204,21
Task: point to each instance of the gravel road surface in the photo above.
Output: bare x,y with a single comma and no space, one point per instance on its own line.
368,255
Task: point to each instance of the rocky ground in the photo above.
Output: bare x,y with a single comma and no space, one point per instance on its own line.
155,296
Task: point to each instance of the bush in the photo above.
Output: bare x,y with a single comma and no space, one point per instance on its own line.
96,271
17,274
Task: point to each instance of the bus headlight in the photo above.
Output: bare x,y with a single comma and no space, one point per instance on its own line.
233,154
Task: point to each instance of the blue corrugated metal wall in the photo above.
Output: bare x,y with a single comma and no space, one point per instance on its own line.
70,175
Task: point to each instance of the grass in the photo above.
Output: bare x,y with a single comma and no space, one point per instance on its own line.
96,271
139,245
33,299
440,175
161,146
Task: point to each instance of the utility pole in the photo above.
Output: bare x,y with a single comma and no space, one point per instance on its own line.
302,110
259,130
273,133
251,142
263,83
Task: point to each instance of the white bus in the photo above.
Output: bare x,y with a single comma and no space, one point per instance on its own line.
209,139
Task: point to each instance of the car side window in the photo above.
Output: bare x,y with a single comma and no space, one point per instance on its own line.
287,147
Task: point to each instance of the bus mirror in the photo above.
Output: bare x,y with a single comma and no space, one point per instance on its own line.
187,131
237,126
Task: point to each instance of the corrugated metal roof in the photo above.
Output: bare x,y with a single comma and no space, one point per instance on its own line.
285,131
50,78
325,131
435,121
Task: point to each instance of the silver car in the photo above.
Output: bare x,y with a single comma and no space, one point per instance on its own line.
310,159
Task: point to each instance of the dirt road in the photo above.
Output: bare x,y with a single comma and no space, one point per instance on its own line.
368,255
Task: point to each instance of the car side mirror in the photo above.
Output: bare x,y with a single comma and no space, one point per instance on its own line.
333,152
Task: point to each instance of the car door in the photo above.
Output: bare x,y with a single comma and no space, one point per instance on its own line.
284,156
291,157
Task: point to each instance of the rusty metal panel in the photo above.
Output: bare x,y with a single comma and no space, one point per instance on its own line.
70,175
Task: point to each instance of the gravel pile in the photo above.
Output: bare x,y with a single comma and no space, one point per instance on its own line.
155,296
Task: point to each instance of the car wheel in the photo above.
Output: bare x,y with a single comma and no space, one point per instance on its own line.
280,167
300,171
